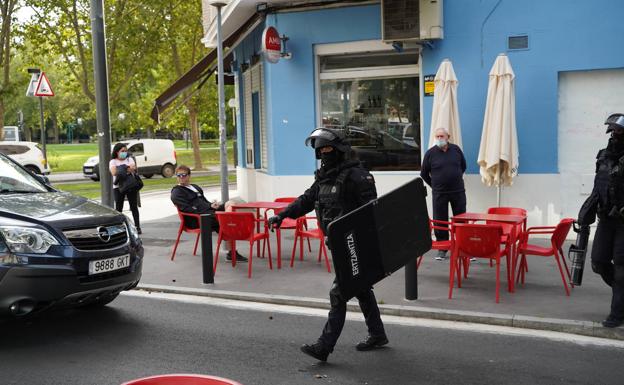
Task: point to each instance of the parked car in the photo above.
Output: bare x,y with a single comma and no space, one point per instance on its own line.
153,156
58,249
28,154
11,133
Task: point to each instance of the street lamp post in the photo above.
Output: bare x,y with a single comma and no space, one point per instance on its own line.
222,132
100,71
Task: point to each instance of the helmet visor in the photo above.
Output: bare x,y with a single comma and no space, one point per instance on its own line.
320,138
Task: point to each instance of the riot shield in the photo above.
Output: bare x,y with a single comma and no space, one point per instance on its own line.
380,237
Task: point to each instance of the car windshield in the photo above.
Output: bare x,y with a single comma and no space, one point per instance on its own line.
14,179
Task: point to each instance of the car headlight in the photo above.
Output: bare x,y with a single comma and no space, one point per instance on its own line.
27,239
134,235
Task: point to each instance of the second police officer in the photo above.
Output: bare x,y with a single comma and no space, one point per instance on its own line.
607,202
340,186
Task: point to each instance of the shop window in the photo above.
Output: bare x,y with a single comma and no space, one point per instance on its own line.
255,126
380,117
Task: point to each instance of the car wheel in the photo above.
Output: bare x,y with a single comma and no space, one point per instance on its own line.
33,169
148,175
95,177
168,170
100,302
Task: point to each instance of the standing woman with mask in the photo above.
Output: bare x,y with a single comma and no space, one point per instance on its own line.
122,165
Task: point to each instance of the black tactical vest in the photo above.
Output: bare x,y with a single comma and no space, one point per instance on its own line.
330,204
609,182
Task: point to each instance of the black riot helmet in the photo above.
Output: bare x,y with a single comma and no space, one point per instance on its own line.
322,137
614,120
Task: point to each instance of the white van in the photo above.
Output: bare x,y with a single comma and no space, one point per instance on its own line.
11,134
28,154
153,156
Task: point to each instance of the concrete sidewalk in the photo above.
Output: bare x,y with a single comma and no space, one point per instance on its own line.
539,304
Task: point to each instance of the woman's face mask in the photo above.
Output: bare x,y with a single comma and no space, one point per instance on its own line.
123,155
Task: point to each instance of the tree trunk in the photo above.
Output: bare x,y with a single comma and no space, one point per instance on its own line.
55,129
194,135
1,118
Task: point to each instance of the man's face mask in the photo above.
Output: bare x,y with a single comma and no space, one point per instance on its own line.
441,142
329,159
618,135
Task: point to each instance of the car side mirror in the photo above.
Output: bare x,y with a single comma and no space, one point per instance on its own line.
41,178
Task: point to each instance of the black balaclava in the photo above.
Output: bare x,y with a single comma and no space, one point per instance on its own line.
330,159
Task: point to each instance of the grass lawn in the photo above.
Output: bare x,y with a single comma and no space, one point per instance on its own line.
71,157
91,189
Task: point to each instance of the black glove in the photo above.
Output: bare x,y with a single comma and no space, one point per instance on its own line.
275,222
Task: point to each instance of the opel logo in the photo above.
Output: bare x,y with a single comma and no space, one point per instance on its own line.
103,234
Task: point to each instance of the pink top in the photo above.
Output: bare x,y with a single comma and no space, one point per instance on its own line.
118,162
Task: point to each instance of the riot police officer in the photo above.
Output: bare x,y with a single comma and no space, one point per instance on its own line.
607,202
340,186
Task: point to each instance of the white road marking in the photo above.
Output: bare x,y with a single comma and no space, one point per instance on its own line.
396,320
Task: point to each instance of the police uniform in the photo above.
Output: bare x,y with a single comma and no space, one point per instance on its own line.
607,202
338,188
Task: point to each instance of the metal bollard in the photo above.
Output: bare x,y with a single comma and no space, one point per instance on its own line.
206,248
411,279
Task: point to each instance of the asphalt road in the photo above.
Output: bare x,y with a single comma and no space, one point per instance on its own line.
254,344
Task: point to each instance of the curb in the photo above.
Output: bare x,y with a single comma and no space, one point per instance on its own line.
585,328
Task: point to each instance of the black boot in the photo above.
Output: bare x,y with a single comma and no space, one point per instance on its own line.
317,350
612,322
372,342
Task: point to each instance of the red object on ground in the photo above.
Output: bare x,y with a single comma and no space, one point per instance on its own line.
182,379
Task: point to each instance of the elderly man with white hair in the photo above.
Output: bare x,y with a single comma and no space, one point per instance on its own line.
443,169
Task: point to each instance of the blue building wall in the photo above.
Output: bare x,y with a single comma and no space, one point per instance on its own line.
563,36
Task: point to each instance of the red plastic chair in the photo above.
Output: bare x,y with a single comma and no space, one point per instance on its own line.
508,227
435,224
559,234
185,218
479,241
240,226
182,379
287,224
301,232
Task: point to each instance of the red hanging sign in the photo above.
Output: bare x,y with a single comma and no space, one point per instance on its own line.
271,44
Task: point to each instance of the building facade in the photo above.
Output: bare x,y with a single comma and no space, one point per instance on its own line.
341,73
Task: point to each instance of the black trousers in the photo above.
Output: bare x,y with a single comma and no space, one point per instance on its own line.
132,200
608,260
441,209
338,313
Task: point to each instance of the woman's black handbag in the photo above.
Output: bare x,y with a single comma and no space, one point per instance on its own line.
132,182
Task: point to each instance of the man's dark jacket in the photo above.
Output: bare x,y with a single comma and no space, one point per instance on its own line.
189,201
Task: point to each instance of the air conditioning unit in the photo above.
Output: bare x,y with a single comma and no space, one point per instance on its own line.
404,20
